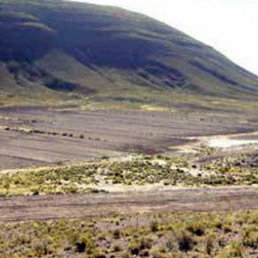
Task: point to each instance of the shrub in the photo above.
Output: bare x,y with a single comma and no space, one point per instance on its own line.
80,247
196,228
185,242
209,244
145,243
235,249
41,248
154,226
116,234
117,248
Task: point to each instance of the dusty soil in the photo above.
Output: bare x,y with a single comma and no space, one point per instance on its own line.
94,205
36,136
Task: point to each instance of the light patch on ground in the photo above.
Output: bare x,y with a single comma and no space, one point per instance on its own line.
219,141
227,143
121,188
156,108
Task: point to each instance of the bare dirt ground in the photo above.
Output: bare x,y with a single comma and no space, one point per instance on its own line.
94,205
37,136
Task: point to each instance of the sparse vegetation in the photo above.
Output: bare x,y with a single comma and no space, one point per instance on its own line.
142,170
27,130
178,235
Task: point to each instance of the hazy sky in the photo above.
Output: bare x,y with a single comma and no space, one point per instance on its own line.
230,26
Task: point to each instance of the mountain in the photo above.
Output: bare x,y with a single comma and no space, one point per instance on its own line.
60,49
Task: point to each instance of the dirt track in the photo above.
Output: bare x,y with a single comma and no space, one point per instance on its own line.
94,205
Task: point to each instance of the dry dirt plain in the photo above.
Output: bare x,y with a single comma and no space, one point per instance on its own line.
45,136
37,136
51,207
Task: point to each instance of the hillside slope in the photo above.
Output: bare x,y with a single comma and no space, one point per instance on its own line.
55,48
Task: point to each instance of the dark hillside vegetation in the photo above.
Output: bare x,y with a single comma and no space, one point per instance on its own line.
52,47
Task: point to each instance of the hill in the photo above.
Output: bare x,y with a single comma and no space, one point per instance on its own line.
53,50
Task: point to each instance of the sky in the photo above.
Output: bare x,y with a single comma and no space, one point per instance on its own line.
230,26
